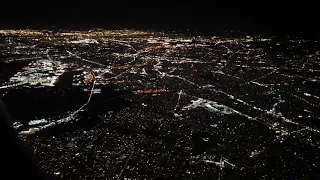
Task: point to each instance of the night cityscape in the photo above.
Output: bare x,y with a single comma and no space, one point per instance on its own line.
146,103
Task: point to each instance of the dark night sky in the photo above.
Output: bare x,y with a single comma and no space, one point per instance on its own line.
167,14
